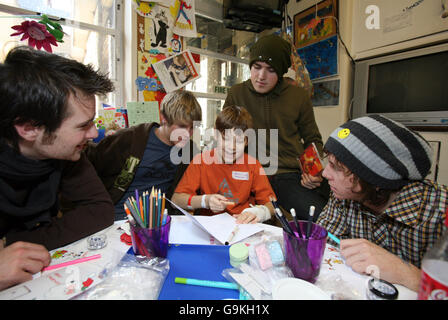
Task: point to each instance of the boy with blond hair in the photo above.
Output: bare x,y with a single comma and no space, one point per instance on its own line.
144,156
226,178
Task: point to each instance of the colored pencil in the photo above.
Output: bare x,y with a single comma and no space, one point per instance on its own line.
140,201
159,207
147,208
134,205
136,198
150,210
154,208
134,213
142,198
163,210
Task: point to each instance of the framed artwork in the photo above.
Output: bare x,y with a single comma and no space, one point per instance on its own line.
326,93
321,58
315,23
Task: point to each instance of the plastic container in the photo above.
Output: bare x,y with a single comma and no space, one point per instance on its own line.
151,242
269,254
239,254
378,289
304,256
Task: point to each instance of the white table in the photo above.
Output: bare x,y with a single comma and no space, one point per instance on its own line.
334,278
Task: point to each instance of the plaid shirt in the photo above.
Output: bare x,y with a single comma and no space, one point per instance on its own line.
407,228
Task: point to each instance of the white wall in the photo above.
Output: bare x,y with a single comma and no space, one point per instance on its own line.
443,160
399,22
329,118
350,17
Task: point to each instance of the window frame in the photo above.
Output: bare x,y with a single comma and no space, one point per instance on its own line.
116,32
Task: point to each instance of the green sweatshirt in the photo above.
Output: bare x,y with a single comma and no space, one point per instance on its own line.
286,108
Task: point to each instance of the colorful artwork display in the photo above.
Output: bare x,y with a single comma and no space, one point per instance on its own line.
315,23
161,26
321,58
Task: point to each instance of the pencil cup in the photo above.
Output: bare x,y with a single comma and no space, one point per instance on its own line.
304,256
151,242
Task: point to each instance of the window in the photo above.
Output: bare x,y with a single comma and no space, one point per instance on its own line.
92,32
224,55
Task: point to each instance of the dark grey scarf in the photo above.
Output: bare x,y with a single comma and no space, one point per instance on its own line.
28,188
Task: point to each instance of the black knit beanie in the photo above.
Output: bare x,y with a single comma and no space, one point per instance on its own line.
380,151
274,51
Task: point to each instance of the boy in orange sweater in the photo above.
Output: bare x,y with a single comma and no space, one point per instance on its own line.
226,178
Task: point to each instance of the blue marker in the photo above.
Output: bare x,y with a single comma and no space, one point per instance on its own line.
334,238
207,283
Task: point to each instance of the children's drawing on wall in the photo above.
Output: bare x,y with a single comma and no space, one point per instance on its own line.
177,71
154,31
183,12
321,58
158,32
147,9
157,40
160,23
148,84
315,23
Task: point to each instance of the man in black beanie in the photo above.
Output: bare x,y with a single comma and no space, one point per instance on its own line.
381,207
286,110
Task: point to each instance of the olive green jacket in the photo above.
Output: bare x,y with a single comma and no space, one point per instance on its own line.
286,108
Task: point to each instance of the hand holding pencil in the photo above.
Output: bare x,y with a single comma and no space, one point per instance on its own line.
218,203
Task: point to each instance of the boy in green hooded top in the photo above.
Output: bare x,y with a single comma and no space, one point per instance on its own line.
275,104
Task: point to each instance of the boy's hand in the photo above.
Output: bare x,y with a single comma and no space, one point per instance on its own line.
218,203
254,214
359,254
246,217
311,182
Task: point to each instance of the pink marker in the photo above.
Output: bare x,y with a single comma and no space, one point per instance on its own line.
69,263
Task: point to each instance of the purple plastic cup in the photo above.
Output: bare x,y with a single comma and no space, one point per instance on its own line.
151,242
304,256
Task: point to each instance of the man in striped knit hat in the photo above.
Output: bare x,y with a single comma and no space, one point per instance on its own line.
380,204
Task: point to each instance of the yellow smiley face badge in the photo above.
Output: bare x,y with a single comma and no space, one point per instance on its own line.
343,133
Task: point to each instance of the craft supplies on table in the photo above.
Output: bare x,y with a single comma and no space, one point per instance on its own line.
238,253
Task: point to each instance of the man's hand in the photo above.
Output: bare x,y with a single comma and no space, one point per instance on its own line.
359,254
311,182
19,261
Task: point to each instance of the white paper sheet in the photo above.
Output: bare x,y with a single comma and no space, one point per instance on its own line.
184,231
220,226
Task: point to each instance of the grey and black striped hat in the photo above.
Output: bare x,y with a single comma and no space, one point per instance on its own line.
381,151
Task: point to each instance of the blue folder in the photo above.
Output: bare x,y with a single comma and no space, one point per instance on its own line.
205,262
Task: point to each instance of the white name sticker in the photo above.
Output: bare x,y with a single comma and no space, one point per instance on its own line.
238,175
